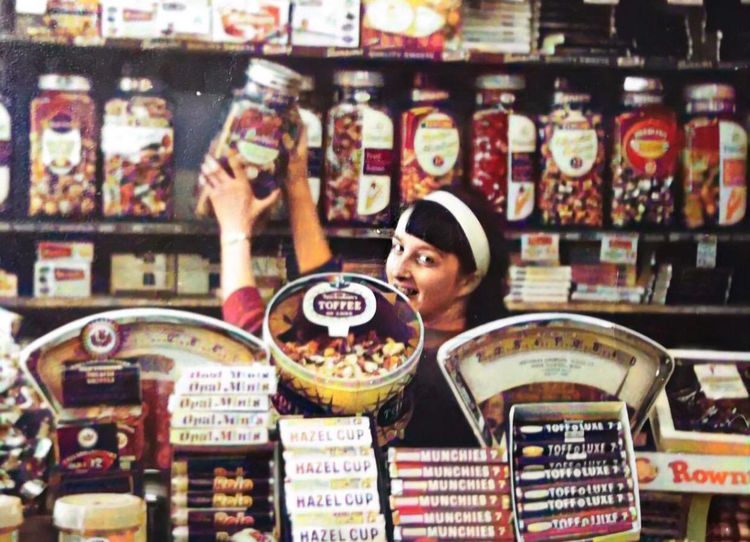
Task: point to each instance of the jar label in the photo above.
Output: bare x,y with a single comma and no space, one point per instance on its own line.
374,192
256,134
131,142
650,147
436,144
733,163
314,130
339,305
61,145
574,150
5,124
522,146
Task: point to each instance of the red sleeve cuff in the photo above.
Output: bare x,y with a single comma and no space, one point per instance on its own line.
244,308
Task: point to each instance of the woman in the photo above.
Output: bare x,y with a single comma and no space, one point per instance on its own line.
447,257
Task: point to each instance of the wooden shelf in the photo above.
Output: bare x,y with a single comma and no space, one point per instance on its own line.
630,308
169,228
466,57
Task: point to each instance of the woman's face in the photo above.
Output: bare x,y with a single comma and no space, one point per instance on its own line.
430,278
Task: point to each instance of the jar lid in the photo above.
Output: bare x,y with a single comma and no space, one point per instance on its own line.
99,512
275,76
358,79
71,83
501,81
308,84
642,84
136,84
637,99
11,512
709,92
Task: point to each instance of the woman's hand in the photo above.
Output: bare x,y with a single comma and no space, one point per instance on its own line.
236,208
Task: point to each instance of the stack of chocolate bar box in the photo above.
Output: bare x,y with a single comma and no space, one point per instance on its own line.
573,478
331,480
497,26
578,28
449,494
223,463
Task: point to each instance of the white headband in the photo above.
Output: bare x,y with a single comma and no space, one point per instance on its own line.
467,220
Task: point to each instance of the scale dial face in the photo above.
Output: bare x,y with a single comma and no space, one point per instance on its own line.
552,359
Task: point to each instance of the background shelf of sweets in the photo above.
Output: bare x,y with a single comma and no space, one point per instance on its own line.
199,50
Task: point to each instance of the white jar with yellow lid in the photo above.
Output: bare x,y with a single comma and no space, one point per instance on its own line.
100,517
11,518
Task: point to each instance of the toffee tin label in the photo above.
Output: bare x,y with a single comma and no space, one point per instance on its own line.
339,306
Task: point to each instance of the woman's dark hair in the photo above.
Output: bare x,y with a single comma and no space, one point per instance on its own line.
434,224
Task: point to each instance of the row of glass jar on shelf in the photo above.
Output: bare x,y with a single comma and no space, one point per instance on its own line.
552,167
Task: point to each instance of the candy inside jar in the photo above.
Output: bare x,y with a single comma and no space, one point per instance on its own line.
63,148
573,161
430,143
262,127
359,152
138,147
503,143
715,158
644,161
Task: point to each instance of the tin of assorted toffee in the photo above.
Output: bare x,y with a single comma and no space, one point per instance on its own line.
348,343
705,408
551,357
152,347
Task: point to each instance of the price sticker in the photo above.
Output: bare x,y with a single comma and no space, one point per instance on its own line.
685,2
706,255
619,249
540,247
31,7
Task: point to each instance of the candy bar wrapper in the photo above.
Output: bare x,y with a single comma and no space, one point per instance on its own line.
366,532
200,499
230,466
439,533
561,461
218,420
219,438
312,453
431,471
345,500
582,489
335,519
549,530
320,467
576,471
330,484
453,456
411,488
573,504
222,484
569,431
218,519
257,378
451,502
220,403
223,534
324,433
453,517
570,451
